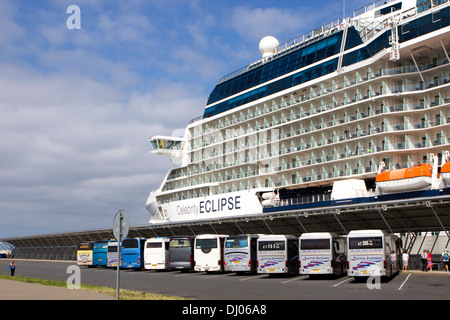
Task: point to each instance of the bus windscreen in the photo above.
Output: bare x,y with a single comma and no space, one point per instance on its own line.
206,243
366,243
130,243
241,242
180,243
314,244
154,245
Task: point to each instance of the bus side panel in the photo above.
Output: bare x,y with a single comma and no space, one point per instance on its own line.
366,265
272,263
318,263
237,261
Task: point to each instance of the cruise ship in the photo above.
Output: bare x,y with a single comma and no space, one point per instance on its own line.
359,107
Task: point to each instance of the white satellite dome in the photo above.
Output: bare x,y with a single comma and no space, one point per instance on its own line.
268,46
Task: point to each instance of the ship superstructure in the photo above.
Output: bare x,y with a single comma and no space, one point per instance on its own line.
330,105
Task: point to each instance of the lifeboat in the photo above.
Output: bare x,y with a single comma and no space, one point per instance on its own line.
415,178
269,199
445,172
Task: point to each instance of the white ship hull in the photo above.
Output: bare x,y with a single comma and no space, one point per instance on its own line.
233,204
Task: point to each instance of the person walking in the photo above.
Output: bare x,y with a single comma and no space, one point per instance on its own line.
444,259
429,261
12,267
424,258
405,257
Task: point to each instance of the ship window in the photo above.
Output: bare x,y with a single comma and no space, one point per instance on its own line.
436,16
405,28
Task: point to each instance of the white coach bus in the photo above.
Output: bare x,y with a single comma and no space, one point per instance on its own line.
277,254
372,253
240,253
322,253
156,253
208,252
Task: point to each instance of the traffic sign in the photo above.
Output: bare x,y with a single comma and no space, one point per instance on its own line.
121,225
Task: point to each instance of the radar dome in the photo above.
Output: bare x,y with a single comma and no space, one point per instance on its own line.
268,46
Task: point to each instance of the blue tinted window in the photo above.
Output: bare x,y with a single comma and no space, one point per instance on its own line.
285,83
278,67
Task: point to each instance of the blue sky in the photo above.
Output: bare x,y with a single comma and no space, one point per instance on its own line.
77,106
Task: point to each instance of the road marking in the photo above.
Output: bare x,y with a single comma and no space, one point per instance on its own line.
254,277
217,276
193,273
400,288
296,278
337,284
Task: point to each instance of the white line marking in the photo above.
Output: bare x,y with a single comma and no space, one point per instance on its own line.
337,284
400,288
296,278
254,277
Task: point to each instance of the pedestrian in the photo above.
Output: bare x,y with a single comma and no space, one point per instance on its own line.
424,258
12,267
429,261
444,259
405,257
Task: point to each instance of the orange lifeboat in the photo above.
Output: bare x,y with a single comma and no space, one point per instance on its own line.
445,172
417,177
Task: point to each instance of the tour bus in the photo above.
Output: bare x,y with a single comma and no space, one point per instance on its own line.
156,253
322,253
111,255
100,250
85,253
181,253
372,253
208,252
277,254
132,253
240,253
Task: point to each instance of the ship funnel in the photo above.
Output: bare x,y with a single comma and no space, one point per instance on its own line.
268,46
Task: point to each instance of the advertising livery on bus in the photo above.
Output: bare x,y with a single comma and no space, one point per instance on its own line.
240,253
208,252
156,253
277,254
85,254
372,253
132,253
322,253
111,255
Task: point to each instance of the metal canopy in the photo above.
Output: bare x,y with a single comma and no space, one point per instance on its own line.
399,216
